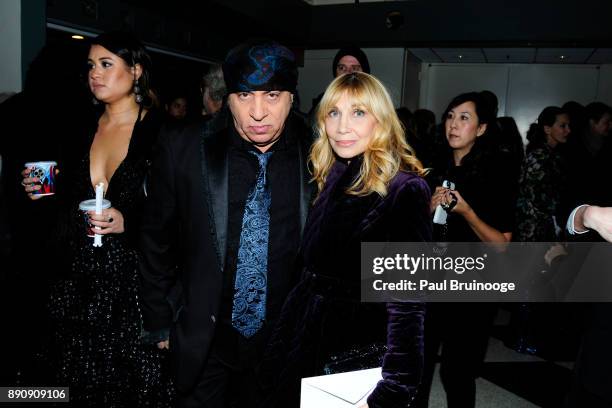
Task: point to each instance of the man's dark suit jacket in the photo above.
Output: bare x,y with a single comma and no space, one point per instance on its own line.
188,202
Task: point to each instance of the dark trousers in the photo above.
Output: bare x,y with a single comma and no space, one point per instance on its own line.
462,329
579,397
221,386
228,378
592,378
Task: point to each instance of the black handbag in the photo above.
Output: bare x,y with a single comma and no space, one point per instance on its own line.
357,358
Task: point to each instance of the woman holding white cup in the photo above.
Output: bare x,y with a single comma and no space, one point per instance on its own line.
95,315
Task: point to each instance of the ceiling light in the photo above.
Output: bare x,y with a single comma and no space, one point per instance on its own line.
77,37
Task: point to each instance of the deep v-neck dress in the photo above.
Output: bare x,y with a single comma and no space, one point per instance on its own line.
95,311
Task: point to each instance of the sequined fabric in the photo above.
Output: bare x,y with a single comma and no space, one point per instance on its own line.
95,312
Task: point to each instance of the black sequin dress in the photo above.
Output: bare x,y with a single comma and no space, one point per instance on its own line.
94,309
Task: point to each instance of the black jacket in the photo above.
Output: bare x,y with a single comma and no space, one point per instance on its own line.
188,202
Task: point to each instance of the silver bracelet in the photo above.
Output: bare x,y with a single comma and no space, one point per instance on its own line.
570,222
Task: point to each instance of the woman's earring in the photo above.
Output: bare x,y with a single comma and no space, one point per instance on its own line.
95,101
137,94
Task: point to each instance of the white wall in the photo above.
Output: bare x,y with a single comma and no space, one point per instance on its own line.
604,89
523,90
441,82
531,88
385,63
10,45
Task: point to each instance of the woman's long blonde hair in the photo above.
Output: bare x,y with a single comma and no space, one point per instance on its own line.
386,154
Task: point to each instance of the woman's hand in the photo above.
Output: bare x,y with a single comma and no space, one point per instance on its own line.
30,184
164,345
438,198
462,207
111,221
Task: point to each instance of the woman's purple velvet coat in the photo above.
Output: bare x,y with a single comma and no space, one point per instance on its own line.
322,318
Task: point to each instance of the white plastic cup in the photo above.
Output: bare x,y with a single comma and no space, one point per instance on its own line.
90,205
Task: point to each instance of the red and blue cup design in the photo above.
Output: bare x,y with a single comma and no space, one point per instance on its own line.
45,172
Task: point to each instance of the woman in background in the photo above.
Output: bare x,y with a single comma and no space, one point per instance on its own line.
484,199
95,315
540,217
542,181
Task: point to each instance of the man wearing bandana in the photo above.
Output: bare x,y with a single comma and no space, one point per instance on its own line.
226,204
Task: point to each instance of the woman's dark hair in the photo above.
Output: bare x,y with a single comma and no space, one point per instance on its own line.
491,99
485,142
483,108
425,121
129,49
510,139
483,146
407,119
577,116
536,135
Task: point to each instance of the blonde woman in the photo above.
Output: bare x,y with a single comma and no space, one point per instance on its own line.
369,189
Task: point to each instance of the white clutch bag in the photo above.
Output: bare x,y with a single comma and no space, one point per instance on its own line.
350,389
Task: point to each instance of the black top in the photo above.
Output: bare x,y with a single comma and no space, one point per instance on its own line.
589,178
189,190
283,180
489,185
126,190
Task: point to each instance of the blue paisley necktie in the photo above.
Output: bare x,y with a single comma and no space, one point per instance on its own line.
249,308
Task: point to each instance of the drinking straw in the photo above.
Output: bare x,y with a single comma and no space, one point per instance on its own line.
99,197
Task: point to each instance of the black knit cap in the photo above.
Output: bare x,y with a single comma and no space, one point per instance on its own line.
354,52
260,65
